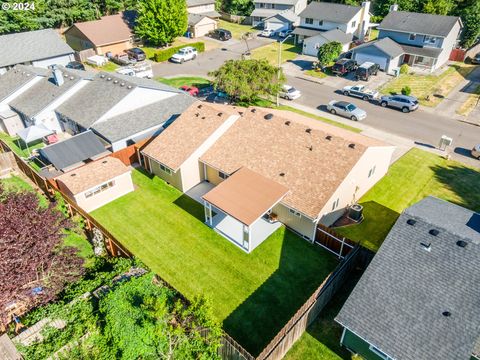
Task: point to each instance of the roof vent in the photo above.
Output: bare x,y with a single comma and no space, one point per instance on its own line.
220,114
351,146
268,117
28,75
434,232
446,313
282,174
102,76
411,222
115,81
308,131
310,148
104,161
199,106
287,123
462,243
109,79
122,84
197,114
426,246
240,113
71,77
328,137
203,117
73,174
129,86
254,110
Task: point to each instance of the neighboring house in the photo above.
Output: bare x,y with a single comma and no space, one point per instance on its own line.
284,20
200,25
73,152
12,84
37,104
424,41
40,48
312,44
319,17
203,7
97,183
112,33
418,298
268,152
121,109
266,9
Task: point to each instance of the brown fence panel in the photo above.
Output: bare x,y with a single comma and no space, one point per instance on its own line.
457,55
333,241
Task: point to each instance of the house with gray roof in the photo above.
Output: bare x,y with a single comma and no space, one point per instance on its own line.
418,298
266,9
384,52
202,17
40,48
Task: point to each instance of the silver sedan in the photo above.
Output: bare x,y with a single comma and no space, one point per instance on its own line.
347,110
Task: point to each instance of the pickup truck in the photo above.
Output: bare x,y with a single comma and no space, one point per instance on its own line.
360,91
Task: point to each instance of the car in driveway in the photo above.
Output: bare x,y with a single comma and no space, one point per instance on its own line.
289,92
344,66
184,54
267,32
137,54
220,34
476,151
366,70
219,97
75,65
346,109
360,91
402,102
123,59
285,33
192,90
476,59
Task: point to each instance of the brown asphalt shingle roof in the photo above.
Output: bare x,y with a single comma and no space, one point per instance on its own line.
246,195
92,174
307,163
179,140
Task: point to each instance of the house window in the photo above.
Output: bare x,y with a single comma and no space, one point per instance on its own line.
309,21
320,23
378,352
412,37
165,169
293,212
354,23
222,175
371,171
430,40
335,204
262,5
99,189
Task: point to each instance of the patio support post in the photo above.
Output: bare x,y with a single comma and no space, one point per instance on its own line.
315,224
246,236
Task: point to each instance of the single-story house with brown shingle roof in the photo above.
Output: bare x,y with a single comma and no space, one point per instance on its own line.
97,183
112,33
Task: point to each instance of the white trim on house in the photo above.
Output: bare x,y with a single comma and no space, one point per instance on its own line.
368,342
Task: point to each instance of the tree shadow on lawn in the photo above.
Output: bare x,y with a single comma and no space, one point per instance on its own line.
302,268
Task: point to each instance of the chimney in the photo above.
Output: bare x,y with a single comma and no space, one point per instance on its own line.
364,20
393,7
57,75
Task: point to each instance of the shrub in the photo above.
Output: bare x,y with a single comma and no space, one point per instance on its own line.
406,90
404,69
164,55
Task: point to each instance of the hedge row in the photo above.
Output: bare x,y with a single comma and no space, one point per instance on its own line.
164,55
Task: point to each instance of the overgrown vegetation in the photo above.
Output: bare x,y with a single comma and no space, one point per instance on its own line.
328,52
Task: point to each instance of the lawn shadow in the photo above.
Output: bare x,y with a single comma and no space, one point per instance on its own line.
302,268
191,206
302,64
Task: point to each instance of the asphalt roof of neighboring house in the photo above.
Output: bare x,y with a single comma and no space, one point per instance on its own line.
335,35
420,23
194,19
192,128
144,118
191,3
385,45
306,31
398,304
280,2
17,77
422,51
73,151
44,92
264,12
31,45
109,29
281,149
288,15
93,174
333,12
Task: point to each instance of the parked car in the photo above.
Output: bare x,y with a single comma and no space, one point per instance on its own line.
344,66
123,59
347,110
476,59
360,91
220,34
284,33
402,102
219,97
289,92
267,32
184,54
476,151
192,90
365,70
137,54
76,65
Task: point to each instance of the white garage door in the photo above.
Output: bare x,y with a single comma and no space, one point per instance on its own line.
380,60
202,30
276,26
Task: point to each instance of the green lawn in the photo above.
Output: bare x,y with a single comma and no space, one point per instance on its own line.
416,175
429,89
15,183
270,52
254,295
469,105
176,82
237,30
19,147
110,66
316,73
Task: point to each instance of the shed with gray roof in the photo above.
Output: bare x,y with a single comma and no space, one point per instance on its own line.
419,297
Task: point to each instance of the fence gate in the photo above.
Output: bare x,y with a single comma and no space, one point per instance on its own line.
331,241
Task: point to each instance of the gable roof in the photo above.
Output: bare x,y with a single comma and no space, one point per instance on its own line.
385,45
420,23
282,150
46,91
288,15
333,12
30,46
334,35
398,303
74,151
191,3
93,174
187,133
17,77
279,2
132,122
194,19
109,29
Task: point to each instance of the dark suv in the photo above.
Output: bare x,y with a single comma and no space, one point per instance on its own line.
221,34
344,66
365,70
137,54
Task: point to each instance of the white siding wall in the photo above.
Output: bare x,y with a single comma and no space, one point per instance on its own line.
60,60
201,8
448,44
326,25
121,144
311,45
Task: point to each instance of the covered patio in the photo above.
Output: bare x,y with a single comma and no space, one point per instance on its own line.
423,58
239,208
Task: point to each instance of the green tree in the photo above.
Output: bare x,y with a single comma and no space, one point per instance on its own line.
159,22
239,7
439,7
328,52
382,7
247,80
471,22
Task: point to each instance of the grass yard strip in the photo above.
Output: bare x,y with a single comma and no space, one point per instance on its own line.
110,66
19,147
237,30
430,89
270,52
254,295
473,100
414,176
316,74
176,82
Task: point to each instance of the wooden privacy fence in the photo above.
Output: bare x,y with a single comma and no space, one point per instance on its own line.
130,154
333,242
